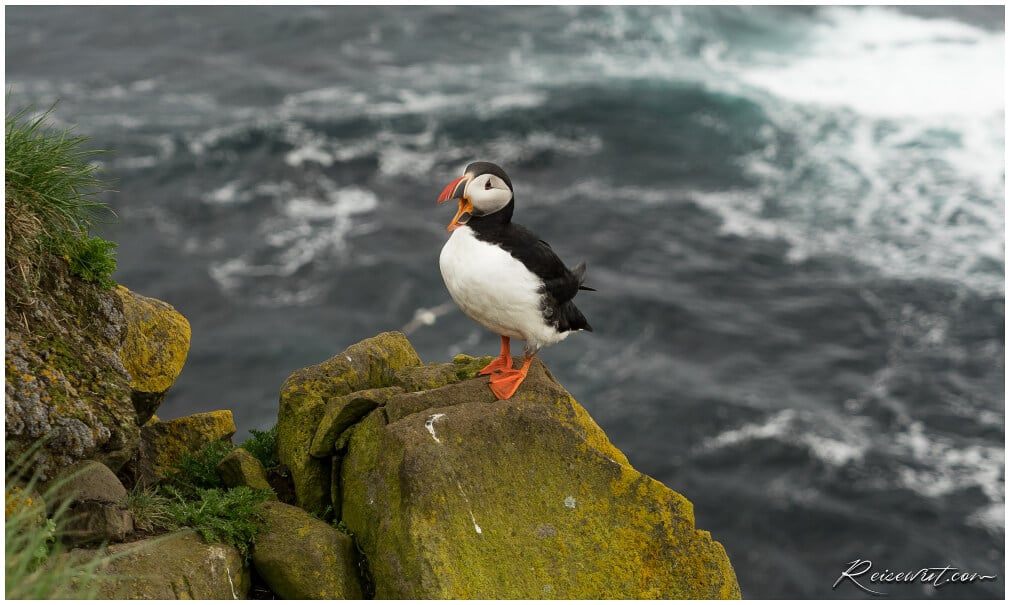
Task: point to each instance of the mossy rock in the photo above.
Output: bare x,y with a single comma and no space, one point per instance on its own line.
369,364
64,378
164,443
175,566
467,367
523,498
342,412
154,349
80,360
240,467
301,557
426,377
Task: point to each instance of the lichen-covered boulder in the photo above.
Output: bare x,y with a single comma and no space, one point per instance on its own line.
153,350
368,364
164,443
64,378
342,412
454,494
176,566
301,557
240,467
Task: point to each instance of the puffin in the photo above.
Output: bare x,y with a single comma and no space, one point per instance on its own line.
503,276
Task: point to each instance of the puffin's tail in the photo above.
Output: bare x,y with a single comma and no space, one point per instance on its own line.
580,274
572,319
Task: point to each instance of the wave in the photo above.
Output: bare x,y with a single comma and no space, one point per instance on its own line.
914,459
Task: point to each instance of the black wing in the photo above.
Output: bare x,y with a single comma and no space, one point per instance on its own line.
561,284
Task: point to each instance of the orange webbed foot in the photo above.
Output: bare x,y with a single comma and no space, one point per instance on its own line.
505,383
503,363
498,365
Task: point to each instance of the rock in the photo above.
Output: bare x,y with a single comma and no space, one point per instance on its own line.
64,378
89,522
87,481
342,412
154,349
95,504
434,375
426,377
175,566
467,367
459,495
240,467
301,557
164,443
368,364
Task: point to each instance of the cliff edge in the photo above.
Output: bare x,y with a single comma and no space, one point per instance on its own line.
451,493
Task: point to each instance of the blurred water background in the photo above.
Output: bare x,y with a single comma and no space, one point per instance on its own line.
794,218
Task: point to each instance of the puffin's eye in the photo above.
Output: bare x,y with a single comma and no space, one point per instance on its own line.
487,185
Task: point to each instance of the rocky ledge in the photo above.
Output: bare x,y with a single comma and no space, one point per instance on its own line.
395,479
451,493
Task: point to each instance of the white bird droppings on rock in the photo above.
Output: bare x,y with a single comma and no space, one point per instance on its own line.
429,424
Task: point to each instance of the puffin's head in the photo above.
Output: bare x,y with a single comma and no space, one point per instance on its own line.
483,189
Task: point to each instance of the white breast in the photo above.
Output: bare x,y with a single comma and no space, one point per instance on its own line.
495,290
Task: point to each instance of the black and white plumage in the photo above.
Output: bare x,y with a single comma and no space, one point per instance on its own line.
503,276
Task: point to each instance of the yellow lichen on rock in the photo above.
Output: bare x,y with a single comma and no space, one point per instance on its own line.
301,557
164,443
154,348
371,363
524,498
175,566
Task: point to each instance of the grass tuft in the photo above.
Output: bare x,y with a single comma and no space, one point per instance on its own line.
34,565
50,194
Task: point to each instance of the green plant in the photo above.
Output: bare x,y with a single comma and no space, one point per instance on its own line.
147,507
93,259
199,471
263,446
51,185
35,566
227,516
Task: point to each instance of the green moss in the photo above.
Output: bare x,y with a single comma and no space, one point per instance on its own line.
467,367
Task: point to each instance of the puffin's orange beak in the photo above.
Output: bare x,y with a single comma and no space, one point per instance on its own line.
455,190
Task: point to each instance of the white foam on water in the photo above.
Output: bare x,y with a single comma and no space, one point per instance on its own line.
881,62
798,428
938,466
304,230
926,463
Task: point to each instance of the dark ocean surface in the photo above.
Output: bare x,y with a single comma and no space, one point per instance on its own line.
794,219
